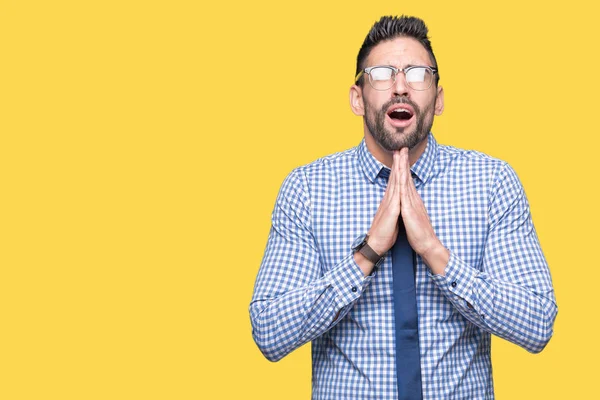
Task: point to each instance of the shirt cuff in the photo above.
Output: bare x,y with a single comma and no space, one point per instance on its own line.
458,286
348,281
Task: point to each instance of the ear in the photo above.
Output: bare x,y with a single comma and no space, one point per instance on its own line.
356,100
439,101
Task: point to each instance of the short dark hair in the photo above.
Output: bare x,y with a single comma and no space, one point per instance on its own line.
392,27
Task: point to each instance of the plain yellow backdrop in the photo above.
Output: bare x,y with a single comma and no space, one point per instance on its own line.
143,143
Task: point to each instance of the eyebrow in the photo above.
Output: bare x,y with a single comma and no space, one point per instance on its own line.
406,66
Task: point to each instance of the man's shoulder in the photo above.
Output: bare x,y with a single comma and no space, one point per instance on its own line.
321,174
475,166
457,157
342,162
447,152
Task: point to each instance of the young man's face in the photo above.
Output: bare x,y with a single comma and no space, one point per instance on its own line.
394,130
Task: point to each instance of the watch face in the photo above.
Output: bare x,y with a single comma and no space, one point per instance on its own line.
358,242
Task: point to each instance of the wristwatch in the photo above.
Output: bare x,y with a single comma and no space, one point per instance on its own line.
360,244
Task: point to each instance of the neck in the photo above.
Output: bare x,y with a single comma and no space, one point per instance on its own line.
386,157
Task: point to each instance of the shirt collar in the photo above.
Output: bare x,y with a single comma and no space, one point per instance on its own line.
424,165
369,164
421,169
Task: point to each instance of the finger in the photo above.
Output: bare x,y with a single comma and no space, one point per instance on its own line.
410,184
404,168
389,189
391,183
396,171
411,191
395,163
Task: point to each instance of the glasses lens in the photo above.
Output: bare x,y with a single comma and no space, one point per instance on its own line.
419,78
381,78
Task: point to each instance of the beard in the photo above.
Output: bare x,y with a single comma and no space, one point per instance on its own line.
396,138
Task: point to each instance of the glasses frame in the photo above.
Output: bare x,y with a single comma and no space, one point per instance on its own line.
404,70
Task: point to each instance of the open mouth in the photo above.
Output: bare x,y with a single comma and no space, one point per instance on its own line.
400,114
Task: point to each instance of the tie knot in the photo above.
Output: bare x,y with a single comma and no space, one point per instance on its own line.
384,173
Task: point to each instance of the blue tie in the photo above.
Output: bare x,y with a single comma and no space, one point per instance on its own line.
408,365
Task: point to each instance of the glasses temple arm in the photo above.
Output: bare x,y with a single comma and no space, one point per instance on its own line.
359,75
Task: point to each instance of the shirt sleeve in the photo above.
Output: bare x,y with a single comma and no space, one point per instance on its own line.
511,296
294,300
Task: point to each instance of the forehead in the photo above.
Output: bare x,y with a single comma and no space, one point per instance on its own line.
399,52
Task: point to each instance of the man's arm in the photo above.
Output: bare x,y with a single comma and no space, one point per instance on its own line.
512,296
294,301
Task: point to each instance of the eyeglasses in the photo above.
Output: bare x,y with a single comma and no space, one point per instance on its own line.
383,77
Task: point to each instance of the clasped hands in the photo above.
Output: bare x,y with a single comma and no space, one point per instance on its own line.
401,200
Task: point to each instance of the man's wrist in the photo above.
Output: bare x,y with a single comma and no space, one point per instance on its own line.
363,263
436,258
370,254
375,245
365,256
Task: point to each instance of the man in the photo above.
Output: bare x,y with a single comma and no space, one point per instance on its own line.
399,258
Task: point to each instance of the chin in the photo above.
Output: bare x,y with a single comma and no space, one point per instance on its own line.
410,140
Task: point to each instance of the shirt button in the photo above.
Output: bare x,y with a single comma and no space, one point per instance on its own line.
453,284
354,289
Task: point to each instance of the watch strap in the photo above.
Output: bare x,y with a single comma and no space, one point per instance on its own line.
370,254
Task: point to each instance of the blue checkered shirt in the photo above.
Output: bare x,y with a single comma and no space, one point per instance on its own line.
496,282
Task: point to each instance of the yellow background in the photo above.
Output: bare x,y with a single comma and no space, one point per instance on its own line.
142,145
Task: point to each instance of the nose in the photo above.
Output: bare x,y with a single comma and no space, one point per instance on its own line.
400,87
